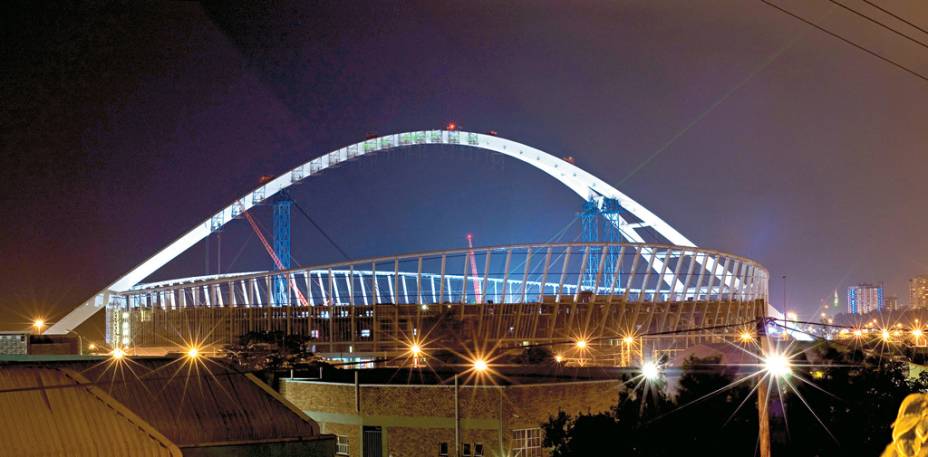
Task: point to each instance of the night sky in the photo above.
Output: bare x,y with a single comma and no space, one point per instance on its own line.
122,127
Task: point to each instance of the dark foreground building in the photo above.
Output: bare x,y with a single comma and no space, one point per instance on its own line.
415,413
78,406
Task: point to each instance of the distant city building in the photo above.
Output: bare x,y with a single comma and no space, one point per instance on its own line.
891,303
864,298
918,292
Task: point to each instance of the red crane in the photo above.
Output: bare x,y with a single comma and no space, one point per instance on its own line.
270,251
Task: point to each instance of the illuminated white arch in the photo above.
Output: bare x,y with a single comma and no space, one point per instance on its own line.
583,183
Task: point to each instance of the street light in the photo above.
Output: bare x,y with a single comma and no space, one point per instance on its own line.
118,354
415,349
650,371
38,324
480,365
629,340
777,365
558,358
193,352
746,337
581,344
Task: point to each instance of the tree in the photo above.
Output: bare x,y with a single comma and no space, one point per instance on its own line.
627,430
856,397
855,394
534,355
712,414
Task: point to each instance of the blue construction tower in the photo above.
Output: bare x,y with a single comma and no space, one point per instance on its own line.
282,205
599,220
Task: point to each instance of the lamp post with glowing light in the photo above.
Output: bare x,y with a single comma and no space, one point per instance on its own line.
776,366
415,350
480,366
763,415
38,324
581,344
628,345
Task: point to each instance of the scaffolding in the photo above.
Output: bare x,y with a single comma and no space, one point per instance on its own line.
282,205
600,222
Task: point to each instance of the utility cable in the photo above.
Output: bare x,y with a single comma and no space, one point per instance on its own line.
858,13
895,16
852,43
324,234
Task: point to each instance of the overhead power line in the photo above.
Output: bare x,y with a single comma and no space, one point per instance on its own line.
852,43
897,17
868,18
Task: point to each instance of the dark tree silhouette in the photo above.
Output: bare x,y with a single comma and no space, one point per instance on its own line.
855,395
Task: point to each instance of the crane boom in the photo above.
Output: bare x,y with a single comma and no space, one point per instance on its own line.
270,251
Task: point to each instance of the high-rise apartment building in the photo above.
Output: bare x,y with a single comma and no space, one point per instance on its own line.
864,298
891,303
918,292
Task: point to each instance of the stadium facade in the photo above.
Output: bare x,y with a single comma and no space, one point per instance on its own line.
654,284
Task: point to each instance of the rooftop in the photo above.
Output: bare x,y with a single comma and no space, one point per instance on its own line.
56,411
192,403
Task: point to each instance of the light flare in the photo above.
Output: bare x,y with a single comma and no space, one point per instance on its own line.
777,365
651,371
481,365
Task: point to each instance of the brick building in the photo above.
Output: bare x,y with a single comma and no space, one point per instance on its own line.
380,413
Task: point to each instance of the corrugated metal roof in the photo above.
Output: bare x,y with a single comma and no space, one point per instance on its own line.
48,411
201,403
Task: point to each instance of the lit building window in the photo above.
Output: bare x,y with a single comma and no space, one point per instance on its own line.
365,333
342,445
526,442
